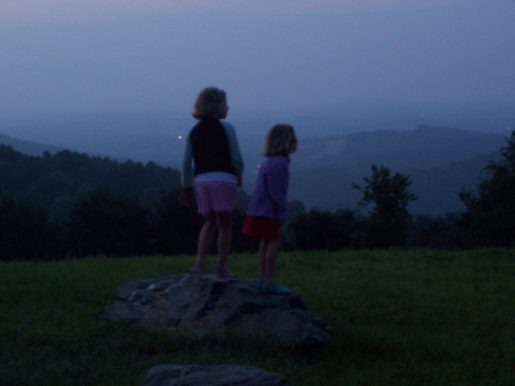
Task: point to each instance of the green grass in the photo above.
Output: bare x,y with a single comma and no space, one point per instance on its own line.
398,318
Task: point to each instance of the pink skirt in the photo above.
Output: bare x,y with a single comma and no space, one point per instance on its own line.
215,196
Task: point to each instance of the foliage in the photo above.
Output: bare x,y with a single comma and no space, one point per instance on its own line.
490,215
389,196
323,230
25,232
435,232
403,318
295,208
54,181
105,224
174,227
71,204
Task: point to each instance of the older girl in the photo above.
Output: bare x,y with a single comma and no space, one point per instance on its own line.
212,168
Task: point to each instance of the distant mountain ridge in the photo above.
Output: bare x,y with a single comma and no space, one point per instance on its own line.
422,148
37,148
440,161
27,147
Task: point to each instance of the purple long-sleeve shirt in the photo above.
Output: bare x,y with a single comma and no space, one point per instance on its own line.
269,198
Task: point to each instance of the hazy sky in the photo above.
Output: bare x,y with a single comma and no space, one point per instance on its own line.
67,56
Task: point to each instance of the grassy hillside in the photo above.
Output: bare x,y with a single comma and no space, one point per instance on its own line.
399,318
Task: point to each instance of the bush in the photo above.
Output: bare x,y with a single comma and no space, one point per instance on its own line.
327,230
174,228
104,224
386,223
490,216
25,232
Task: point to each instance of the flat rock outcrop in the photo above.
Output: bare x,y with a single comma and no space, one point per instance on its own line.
225,375
196,305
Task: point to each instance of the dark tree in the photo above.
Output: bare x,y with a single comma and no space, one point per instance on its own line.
25,232
174,227
51,181
389,196
490,212
323,230
295,208
106,224
435,232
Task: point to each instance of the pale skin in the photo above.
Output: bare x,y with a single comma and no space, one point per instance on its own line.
267,258
214,222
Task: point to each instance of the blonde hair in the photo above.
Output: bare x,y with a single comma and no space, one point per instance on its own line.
280,140
211,102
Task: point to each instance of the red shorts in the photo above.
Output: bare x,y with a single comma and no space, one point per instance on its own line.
262,228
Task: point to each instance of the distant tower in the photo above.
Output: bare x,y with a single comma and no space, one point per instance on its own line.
422,122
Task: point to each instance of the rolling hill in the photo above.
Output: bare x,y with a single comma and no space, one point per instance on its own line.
440,161
27,147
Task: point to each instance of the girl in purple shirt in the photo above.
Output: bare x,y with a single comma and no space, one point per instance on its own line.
267,207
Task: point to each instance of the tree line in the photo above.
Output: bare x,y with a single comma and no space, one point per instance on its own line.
383,220
55,182
70,204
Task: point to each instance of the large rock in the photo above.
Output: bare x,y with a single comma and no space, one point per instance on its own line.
226,375
199,305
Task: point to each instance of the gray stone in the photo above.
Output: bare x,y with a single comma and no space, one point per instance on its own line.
225,375
187,304
120,310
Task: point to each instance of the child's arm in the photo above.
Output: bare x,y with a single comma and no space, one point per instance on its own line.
234,148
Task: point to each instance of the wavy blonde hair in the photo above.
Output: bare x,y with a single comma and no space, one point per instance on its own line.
280,140
211,102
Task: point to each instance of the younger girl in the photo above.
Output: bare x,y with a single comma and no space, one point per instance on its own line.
267,207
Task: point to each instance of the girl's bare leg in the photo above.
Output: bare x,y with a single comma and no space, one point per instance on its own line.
205,240
224,224
263,247
271,257
269,284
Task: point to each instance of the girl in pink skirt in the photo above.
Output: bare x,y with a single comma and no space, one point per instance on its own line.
211,171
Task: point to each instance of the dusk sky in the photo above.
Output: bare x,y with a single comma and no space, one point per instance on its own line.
64,56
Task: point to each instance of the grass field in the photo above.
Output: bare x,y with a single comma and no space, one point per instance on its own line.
398,317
